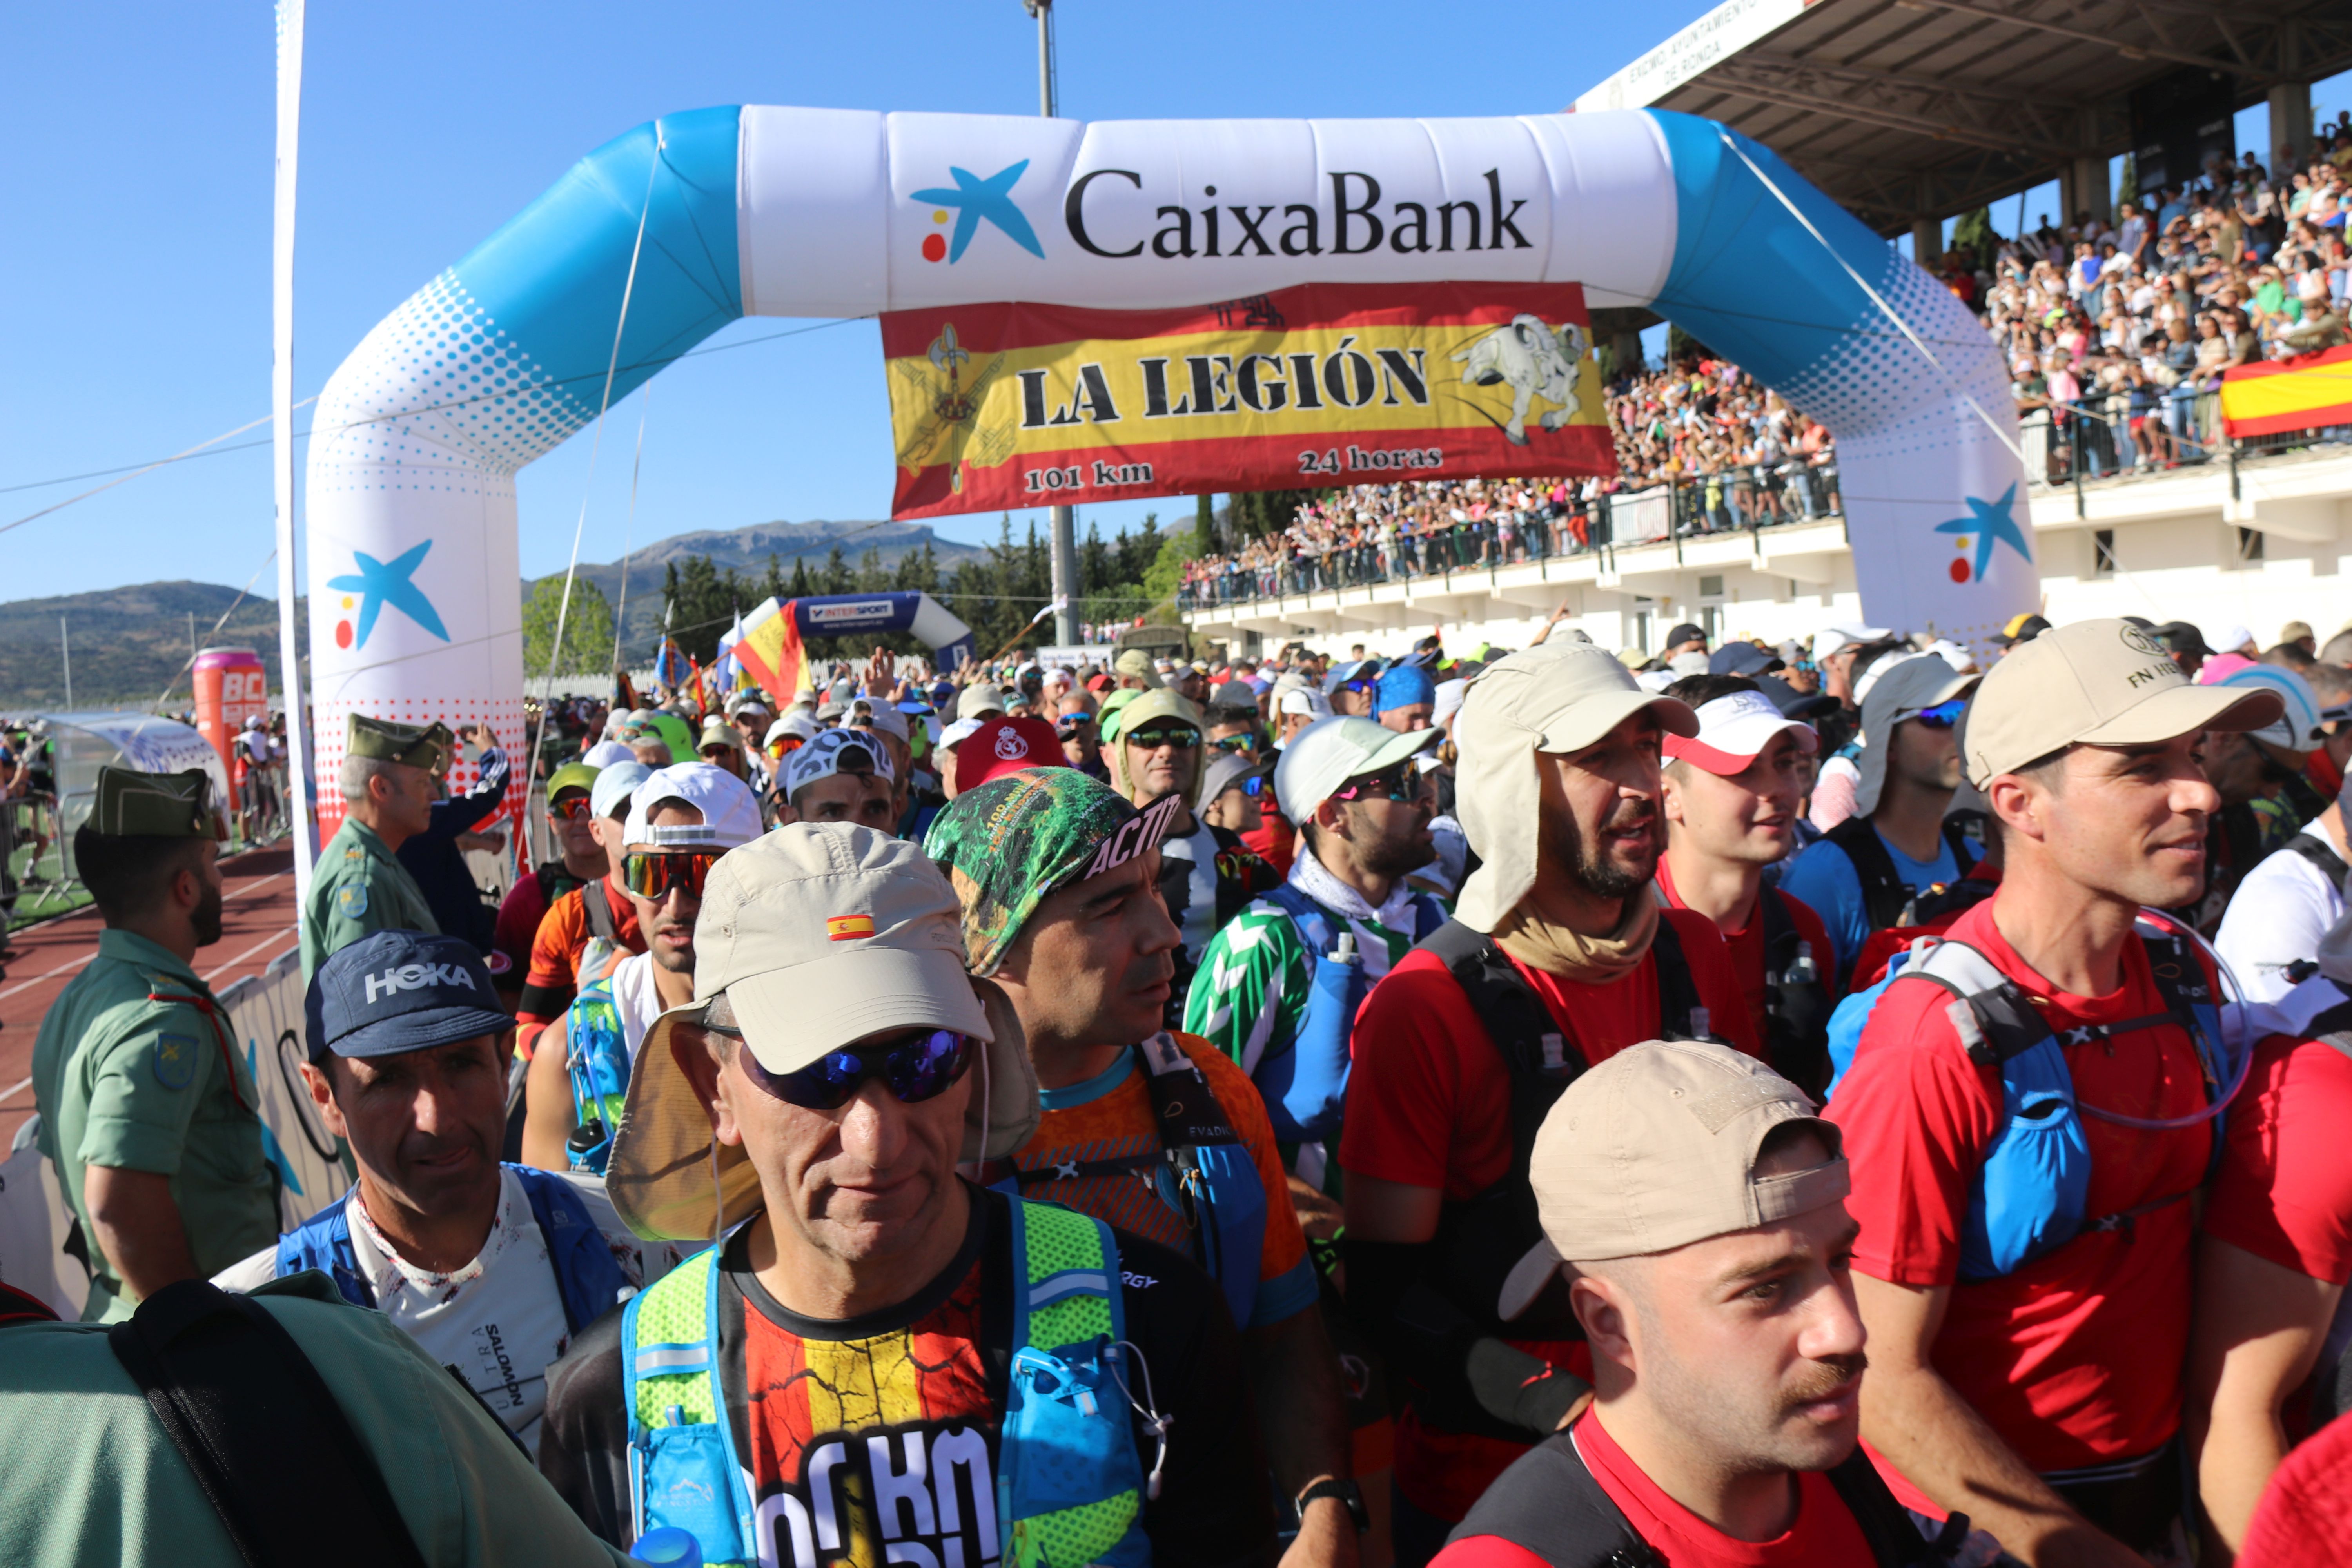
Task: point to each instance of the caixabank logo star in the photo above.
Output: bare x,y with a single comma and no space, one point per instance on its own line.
975,200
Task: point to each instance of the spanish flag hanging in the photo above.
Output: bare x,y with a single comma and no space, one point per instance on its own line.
2279,396
1024,405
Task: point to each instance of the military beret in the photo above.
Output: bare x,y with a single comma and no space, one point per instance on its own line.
389,743
156,805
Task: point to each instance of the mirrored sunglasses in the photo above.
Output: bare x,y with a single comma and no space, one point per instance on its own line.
915,1067
1395,783
1236,742
1181,737
570,809
655,877
1944,715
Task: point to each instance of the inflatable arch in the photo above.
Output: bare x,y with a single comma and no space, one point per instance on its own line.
812,213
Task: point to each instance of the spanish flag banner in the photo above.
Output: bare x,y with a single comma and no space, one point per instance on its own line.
2283,395
769,650
1021,404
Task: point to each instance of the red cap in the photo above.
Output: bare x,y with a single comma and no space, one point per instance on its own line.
1003,746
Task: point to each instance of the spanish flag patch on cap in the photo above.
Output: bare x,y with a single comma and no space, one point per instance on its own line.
847,928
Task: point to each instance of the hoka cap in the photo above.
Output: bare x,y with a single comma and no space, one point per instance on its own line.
2100,683
819,934
1654,1148
396,991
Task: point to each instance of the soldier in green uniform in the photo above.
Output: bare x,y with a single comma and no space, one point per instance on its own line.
147,1109
359,885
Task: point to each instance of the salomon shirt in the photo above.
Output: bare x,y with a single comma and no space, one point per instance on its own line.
497,1322
810,1401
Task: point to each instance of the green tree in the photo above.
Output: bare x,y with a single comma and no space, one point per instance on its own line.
1253,514
587,629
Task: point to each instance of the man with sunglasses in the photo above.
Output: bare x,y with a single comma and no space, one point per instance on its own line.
1207,875
1234,725
1056,880
1276,993
1081,746
492,1268
1557,958
2032,1107
1354,686
1868,872
877,1342
579,859
680,821
843,775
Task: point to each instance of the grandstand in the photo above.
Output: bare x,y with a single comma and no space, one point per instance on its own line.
2117,325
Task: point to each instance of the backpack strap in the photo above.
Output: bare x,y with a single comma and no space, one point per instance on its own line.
2321,857
1895,1540
599,905
1884,893
1681,1015
589,1282
683,1471
1549,1503
323,1242
260,1431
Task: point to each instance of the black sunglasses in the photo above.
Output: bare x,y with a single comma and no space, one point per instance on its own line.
1395,783
919,1066
1183,737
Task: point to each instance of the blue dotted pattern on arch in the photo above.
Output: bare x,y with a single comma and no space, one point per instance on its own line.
552,278
1751,284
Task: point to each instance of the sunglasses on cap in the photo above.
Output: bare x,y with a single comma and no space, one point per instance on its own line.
1183,737
1943,715
656,877
919,1065
1393,783
570,808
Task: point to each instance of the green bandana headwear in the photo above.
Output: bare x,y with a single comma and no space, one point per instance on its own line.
1014,840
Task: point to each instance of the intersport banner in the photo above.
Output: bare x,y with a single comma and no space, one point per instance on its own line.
1001,406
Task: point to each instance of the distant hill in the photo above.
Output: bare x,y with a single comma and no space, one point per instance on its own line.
128,644
747,551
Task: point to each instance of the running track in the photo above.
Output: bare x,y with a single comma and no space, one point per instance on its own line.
258,923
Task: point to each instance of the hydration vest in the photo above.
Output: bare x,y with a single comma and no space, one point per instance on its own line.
1305,1084
586,1278
1069,1485
1202,1170
1480,1239
1796,1001
1886,898
1549,1503
2031,1197
597,1061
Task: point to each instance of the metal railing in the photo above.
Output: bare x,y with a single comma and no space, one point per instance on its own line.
1747,499
2105,435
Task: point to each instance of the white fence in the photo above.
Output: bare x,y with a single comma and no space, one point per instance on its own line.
312,1168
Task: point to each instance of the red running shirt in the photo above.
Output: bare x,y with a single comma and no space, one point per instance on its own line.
1429,1106
2284,1189
2075,1358
1824,1535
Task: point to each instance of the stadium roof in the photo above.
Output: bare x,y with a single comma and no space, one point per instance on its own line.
1905,110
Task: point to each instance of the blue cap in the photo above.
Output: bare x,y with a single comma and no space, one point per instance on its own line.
400,991
1402,685
1741,659
1352,670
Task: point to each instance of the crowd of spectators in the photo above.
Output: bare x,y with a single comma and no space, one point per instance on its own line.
2118,336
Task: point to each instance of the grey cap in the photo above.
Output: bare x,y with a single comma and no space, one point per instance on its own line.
1904,687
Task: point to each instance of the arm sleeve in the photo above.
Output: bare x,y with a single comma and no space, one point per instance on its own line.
138,1121
1249,989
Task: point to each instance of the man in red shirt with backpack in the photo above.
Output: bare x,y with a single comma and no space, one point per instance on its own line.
2029,1109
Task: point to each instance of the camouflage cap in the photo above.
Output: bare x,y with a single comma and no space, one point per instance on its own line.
156,805
389,743
1014,840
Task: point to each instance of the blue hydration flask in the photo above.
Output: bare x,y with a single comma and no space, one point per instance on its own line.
668,1547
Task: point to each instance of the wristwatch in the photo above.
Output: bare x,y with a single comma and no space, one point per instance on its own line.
1351,1495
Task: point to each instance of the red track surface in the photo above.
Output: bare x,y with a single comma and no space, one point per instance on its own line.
258,923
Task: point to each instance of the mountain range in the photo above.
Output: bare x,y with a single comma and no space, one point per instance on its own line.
128,643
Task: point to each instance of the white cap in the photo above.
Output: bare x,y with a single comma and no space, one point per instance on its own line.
2233,639
1953,654
877,714
1733,731
1329,751
821,759
957,733
1837,638
1878,671
799,724
731,812
607,754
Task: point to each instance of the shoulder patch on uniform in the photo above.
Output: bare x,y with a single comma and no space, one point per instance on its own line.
175,1060
352,900
353,853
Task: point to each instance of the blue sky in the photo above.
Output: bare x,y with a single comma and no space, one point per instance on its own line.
139,268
